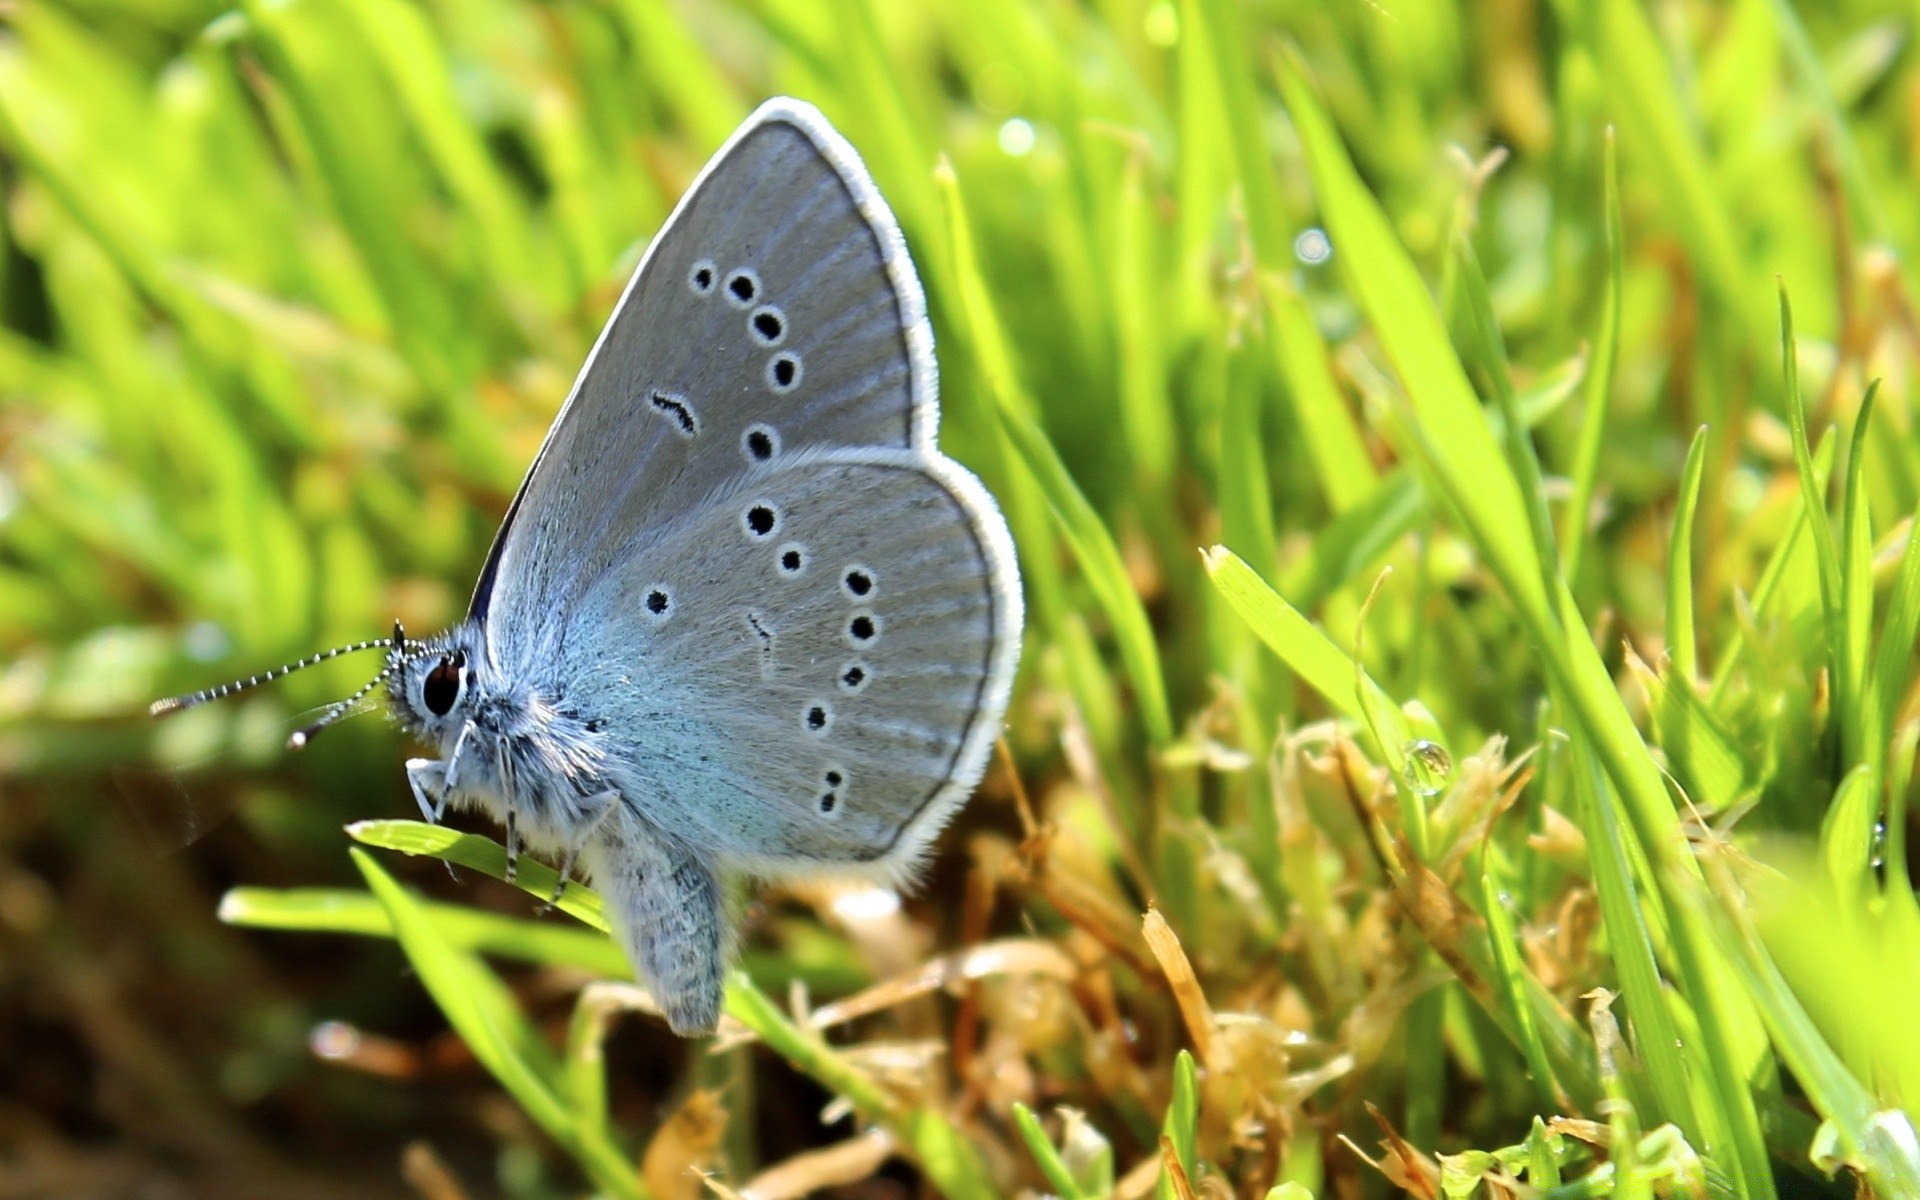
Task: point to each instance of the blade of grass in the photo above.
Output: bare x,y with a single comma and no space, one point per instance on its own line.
929,1136
488,1020
1862,739
1826,557
1086,533
1334,445
1885,1151
1682,642
1651,111
1059,1177
1319,663
1510,978
413,64
335,910
482,854
1453,437
952,1164
1521,459
1772,575
1862,192
1596,393
1147,419
1631,940
1182,1123
682,70
1893,664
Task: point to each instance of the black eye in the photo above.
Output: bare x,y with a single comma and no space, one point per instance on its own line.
442,687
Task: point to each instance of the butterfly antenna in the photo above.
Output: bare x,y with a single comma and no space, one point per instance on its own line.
173,704
401,651
336,710
397,642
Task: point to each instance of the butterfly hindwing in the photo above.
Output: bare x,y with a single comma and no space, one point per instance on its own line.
811,669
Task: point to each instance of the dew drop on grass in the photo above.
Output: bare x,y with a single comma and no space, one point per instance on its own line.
1429,764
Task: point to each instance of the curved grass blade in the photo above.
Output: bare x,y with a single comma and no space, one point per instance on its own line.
488,1020
338,910
482,854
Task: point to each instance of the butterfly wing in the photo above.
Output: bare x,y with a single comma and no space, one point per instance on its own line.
776,312
740,549
810,670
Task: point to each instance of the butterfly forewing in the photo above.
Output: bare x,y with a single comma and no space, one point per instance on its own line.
776,314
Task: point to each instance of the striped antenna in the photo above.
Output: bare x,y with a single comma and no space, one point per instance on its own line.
339,708
173,704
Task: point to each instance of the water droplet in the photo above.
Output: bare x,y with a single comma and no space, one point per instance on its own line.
334,1040
1312,247
1429,765
1016,137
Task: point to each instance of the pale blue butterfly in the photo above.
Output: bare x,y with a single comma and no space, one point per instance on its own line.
743,616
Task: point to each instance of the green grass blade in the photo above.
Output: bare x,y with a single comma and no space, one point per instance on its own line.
488,1019
682,70
1883,1150
1772,575
1357,540
585,1069
1182,1122
1632,941
1521,459
1059,1177
333,910
1391,292
1826,556
1858,710
1147,419
1596,393
482,854
412,63
1319,663
1644,99
1511,978
1339,455
952,1164
1086,533
1862,192
1894,660
1683,646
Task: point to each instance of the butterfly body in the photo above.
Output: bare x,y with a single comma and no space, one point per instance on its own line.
743,616
509,748
558,779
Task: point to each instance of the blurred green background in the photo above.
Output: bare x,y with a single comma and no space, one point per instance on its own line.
1562,638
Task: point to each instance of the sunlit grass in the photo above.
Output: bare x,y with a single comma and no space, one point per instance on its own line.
1468,720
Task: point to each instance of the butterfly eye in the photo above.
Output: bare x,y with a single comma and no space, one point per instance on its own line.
442,687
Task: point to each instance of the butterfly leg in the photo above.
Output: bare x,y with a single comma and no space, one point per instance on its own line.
595,810
668,908
428,779
453,759
513,847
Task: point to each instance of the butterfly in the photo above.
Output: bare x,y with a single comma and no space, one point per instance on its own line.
743,616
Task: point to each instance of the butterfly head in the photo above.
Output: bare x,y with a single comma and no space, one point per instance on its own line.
431,685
